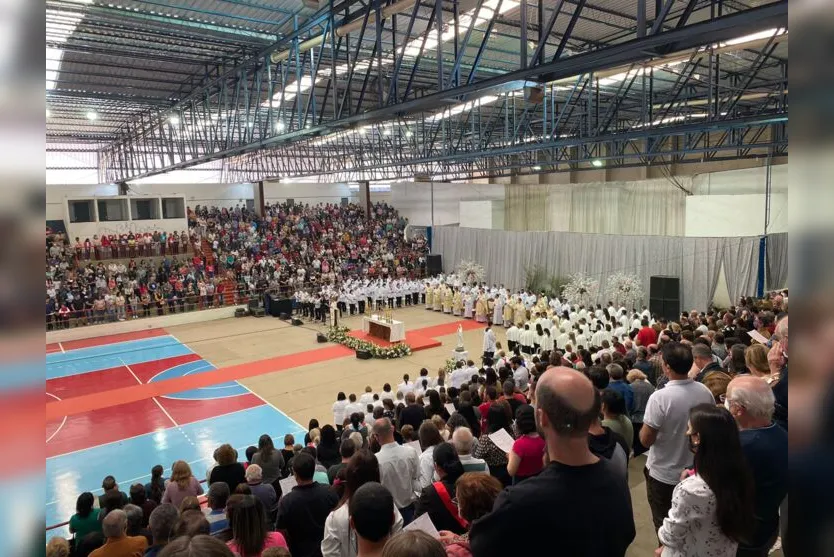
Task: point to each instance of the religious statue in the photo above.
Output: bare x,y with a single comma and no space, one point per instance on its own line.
459,347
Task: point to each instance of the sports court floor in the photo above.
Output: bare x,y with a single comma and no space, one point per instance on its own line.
120,404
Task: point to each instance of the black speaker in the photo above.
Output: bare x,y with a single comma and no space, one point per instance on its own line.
284,317
240,312
297,322
664,297
321,338
258,312
363,355
434,264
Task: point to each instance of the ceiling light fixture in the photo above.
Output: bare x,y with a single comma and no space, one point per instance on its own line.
92,115
597,163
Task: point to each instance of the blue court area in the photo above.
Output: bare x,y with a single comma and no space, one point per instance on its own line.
131,456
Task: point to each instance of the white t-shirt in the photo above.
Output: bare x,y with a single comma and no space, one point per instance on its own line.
405,388
667,411
339,411
366,398
459,377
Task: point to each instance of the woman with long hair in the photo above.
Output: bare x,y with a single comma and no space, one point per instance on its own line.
314,424
435,407
487,450
712,509
271,462
183,484
328,447
755,358
156,487
339,540
437,499
526,458
85,520
467,411
429,437
247,520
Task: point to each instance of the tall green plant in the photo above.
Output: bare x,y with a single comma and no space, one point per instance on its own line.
535,278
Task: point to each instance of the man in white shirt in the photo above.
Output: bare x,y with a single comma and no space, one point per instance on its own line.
399,469
353,406
520,374
459,376
367,397
489,342
512,338
665,423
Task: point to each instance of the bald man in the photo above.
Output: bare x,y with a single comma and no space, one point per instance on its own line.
560,508
765,445
119,544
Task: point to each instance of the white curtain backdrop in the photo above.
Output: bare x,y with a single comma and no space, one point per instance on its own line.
697,261
644,207
777,260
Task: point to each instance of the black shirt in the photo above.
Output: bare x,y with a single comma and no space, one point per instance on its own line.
412,415
766,450
301,513
560,508
430,502
233,474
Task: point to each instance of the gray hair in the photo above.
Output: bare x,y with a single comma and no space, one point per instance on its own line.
254,473
462,440
700,350
114,524
134,516
759,403
164,517
615,371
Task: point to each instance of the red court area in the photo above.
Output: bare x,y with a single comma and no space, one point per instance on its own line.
118,419
103,339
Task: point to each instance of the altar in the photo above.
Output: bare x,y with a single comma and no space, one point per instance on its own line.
393,331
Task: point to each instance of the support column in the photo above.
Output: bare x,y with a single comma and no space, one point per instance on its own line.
259,198
365,197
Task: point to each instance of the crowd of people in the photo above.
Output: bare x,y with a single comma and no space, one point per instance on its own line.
518,453
314,251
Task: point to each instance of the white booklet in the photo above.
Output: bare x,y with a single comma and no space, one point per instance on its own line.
758,337
287,484
502,440
424,523
450,408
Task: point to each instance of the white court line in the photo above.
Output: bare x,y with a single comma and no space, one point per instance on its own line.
164,411
63,422
245,387
61,346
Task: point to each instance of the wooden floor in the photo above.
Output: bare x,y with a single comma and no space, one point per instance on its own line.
309,391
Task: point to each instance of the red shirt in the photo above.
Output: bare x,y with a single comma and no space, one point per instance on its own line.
531,450
646,336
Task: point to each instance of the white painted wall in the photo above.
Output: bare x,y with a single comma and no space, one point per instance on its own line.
482,214
311,193
85,230
414,200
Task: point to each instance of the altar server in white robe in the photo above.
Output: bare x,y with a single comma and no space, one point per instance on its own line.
562,339
498,311
469,305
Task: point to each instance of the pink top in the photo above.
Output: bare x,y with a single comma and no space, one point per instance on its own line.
273,539
530,450
174,495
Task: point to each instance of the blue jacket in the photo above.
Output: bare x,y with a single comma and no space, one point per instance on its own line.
624,389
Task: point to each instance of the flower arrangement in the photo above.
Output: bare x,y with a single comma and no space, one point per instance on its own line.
580,290
471,272
340,335
450,365
624,289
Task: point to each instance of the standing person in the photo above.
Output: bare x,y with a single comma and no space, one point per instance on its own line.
263,491
303,512
496,459
399,468
271,462
161,524
765,445
339,535
615,418
85,519
372,515
566,407
489,342
183,484
526,458
227,469
664,428
437,499
642,390
429,437
247,520
712,509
